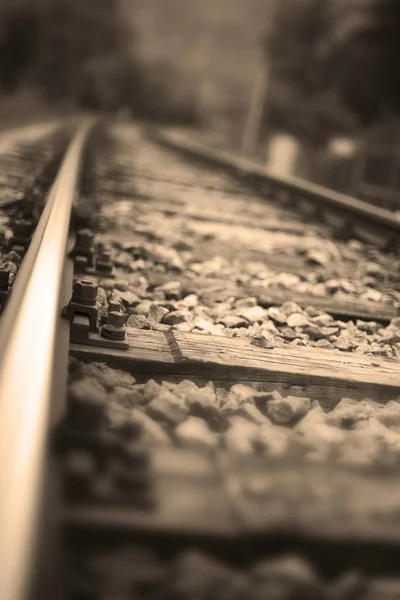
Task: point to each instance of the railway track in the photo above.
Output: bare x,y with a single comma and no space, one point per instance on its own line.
215,361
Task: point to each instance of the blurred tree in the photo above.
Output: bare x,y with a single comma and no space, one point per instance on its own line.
366,56
18,43
295,42
83,52
49,42
77,37
332,59
167,96
300,50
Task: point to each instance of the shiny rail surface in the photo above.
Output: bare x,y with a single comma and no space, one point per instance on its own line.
27,341
300,188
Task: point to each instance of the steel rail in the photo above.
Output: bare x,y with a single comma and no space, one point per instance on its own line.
380,194
28,330
300,187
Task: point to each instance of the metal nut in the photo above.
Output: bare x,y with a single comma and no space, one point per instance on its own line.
114,328
115,319
105,255
22,228
85,290
104,266
30,206
103,245
4,278
84,238
115,306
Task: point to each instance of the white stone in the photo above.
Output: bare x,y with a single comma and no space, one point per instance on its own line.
195,433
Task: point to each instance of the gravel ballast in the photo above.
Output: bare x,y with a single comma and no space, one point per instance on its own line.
134,572
238,419
188,241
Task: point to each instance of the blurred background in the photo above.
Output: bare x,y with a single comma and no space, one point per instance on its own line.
309,88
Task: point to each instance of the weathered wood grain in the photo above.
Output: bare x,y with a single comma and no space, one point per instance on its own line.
320,374
189,497
233,494
345,517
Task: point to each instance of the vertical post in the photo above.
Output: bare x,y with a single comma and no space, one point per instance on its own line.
393,183
359,168
253,121
258,94
204,79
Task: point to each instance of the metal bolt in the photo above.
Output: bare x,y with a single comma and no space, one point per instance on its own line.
84,238
133,482
115,306
22,228
85,292
4,278
80,471
104,259
30,205
80,464
114,328
105,255
104,268
115,319
80,263
132,455
103,245
104,262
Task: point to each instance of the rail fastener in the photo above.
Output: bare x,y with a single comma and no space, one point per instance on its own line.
90,258
114,328
4,287
113,306
30,208
22,235
83,251
84,302
84,314
104,264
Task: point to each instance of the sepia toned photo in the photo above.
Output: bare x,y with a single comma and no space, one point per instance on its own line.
199,300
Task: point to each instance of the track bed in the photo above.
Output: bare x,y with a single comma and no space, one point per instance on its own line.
229,425
256,405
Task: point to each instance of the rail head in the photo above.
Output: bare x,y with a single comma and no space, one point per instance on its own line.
28,330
